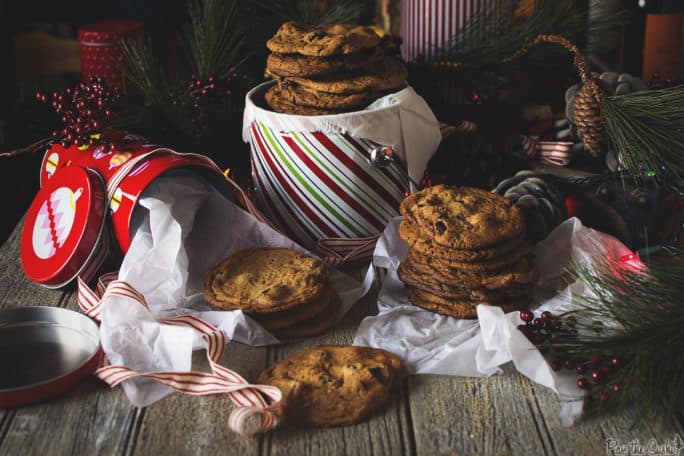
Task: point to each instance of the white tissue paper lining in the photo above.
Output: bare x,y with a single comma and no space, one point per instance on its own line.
435,344
401,120
187,227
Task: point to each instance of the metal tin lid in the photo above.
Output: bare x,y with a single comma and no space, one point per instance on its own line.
63,232
46,351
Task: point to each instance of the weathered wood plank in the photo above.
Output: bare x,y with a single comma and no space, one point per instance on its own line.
453,415
91,419
188,425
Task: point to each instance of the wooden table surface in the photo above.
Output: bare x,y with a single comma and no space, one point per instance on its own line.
429,415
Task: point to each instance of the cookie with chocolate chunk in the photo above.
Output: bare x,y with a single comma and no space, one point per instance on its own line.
460,308
322,40
460,291
279,103
311,326
334,385
386,74
426,246
301,96
464,217
306,66
265,280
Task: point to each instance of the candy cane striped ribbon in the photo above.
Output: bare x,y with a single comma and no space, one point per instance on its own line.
249,398
555,153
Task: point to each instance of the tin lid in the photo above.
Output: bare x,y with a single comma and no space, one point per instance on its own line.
64,227
49,350
108,32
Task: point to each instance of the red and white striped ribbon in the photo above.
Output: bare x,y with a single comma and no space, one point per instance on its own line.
249,398
554,153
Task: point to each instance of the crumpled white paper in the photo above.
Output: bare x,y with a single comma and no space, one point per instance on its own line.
401,120
186,227
435,344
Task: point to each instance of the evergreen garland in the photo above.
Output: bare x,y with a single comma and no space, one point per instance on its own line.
633,312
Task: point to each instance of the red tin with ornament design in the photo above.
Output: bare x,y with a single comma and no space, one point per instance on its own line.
100,50
64,233
128,164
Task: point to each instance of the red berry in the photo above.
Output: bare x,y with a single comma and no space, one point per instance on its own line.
580,369
595,359
617,387
556,364
606,370
526,315
596,376
569,364
582,383
538,322
546,315
615,362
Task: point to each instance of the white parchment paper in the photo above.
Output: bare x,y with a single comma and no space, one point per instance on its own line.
435,344
185,228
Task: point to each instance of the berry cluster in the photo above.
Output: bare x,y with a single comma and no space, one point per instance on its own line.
596,373
84,110
207,96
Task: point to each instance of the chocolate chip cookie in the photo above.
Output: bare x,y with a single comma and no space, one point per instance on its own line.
306,66
322,40
265,280
279,104
292,92
464,217
334,385
387,74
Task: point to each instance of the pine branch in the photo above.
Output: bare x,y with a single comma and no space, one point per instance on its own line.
490,38
214,38
144,71
647,130
642,319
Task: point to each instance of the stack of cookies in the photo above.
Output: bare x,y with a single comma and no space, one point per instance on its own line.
287,292
466,248
330,69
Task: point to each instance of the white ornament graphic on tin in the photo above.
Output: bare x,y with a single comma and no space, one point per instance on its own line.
51,164
54,222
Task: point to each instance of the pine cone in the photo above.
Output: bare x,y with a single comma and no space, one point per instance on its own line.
541,202
583,110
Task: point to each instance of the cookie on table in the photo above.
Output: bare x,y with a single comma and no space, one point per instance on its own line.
322,40
278,320
334,385
306,66
277,102
460,308
265,280
464,217
386,74
291,92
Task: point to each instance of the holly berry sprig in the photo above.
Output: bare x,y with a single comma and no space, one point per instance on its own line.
597,374
84,110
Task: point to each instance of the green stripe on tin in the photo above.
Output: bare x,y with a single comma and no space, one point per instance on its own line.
340,181
303,182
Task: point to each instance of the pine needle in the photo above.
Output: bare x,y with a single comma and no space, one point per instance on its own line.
647,130
491,37
144,71
214,38
643,317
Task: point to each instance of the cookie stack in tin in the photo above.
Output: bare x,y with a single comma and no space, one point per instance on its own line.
286,291
467,248
330,69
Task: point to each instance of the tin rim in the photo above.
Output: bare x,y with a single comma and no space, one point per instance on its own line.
41,318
